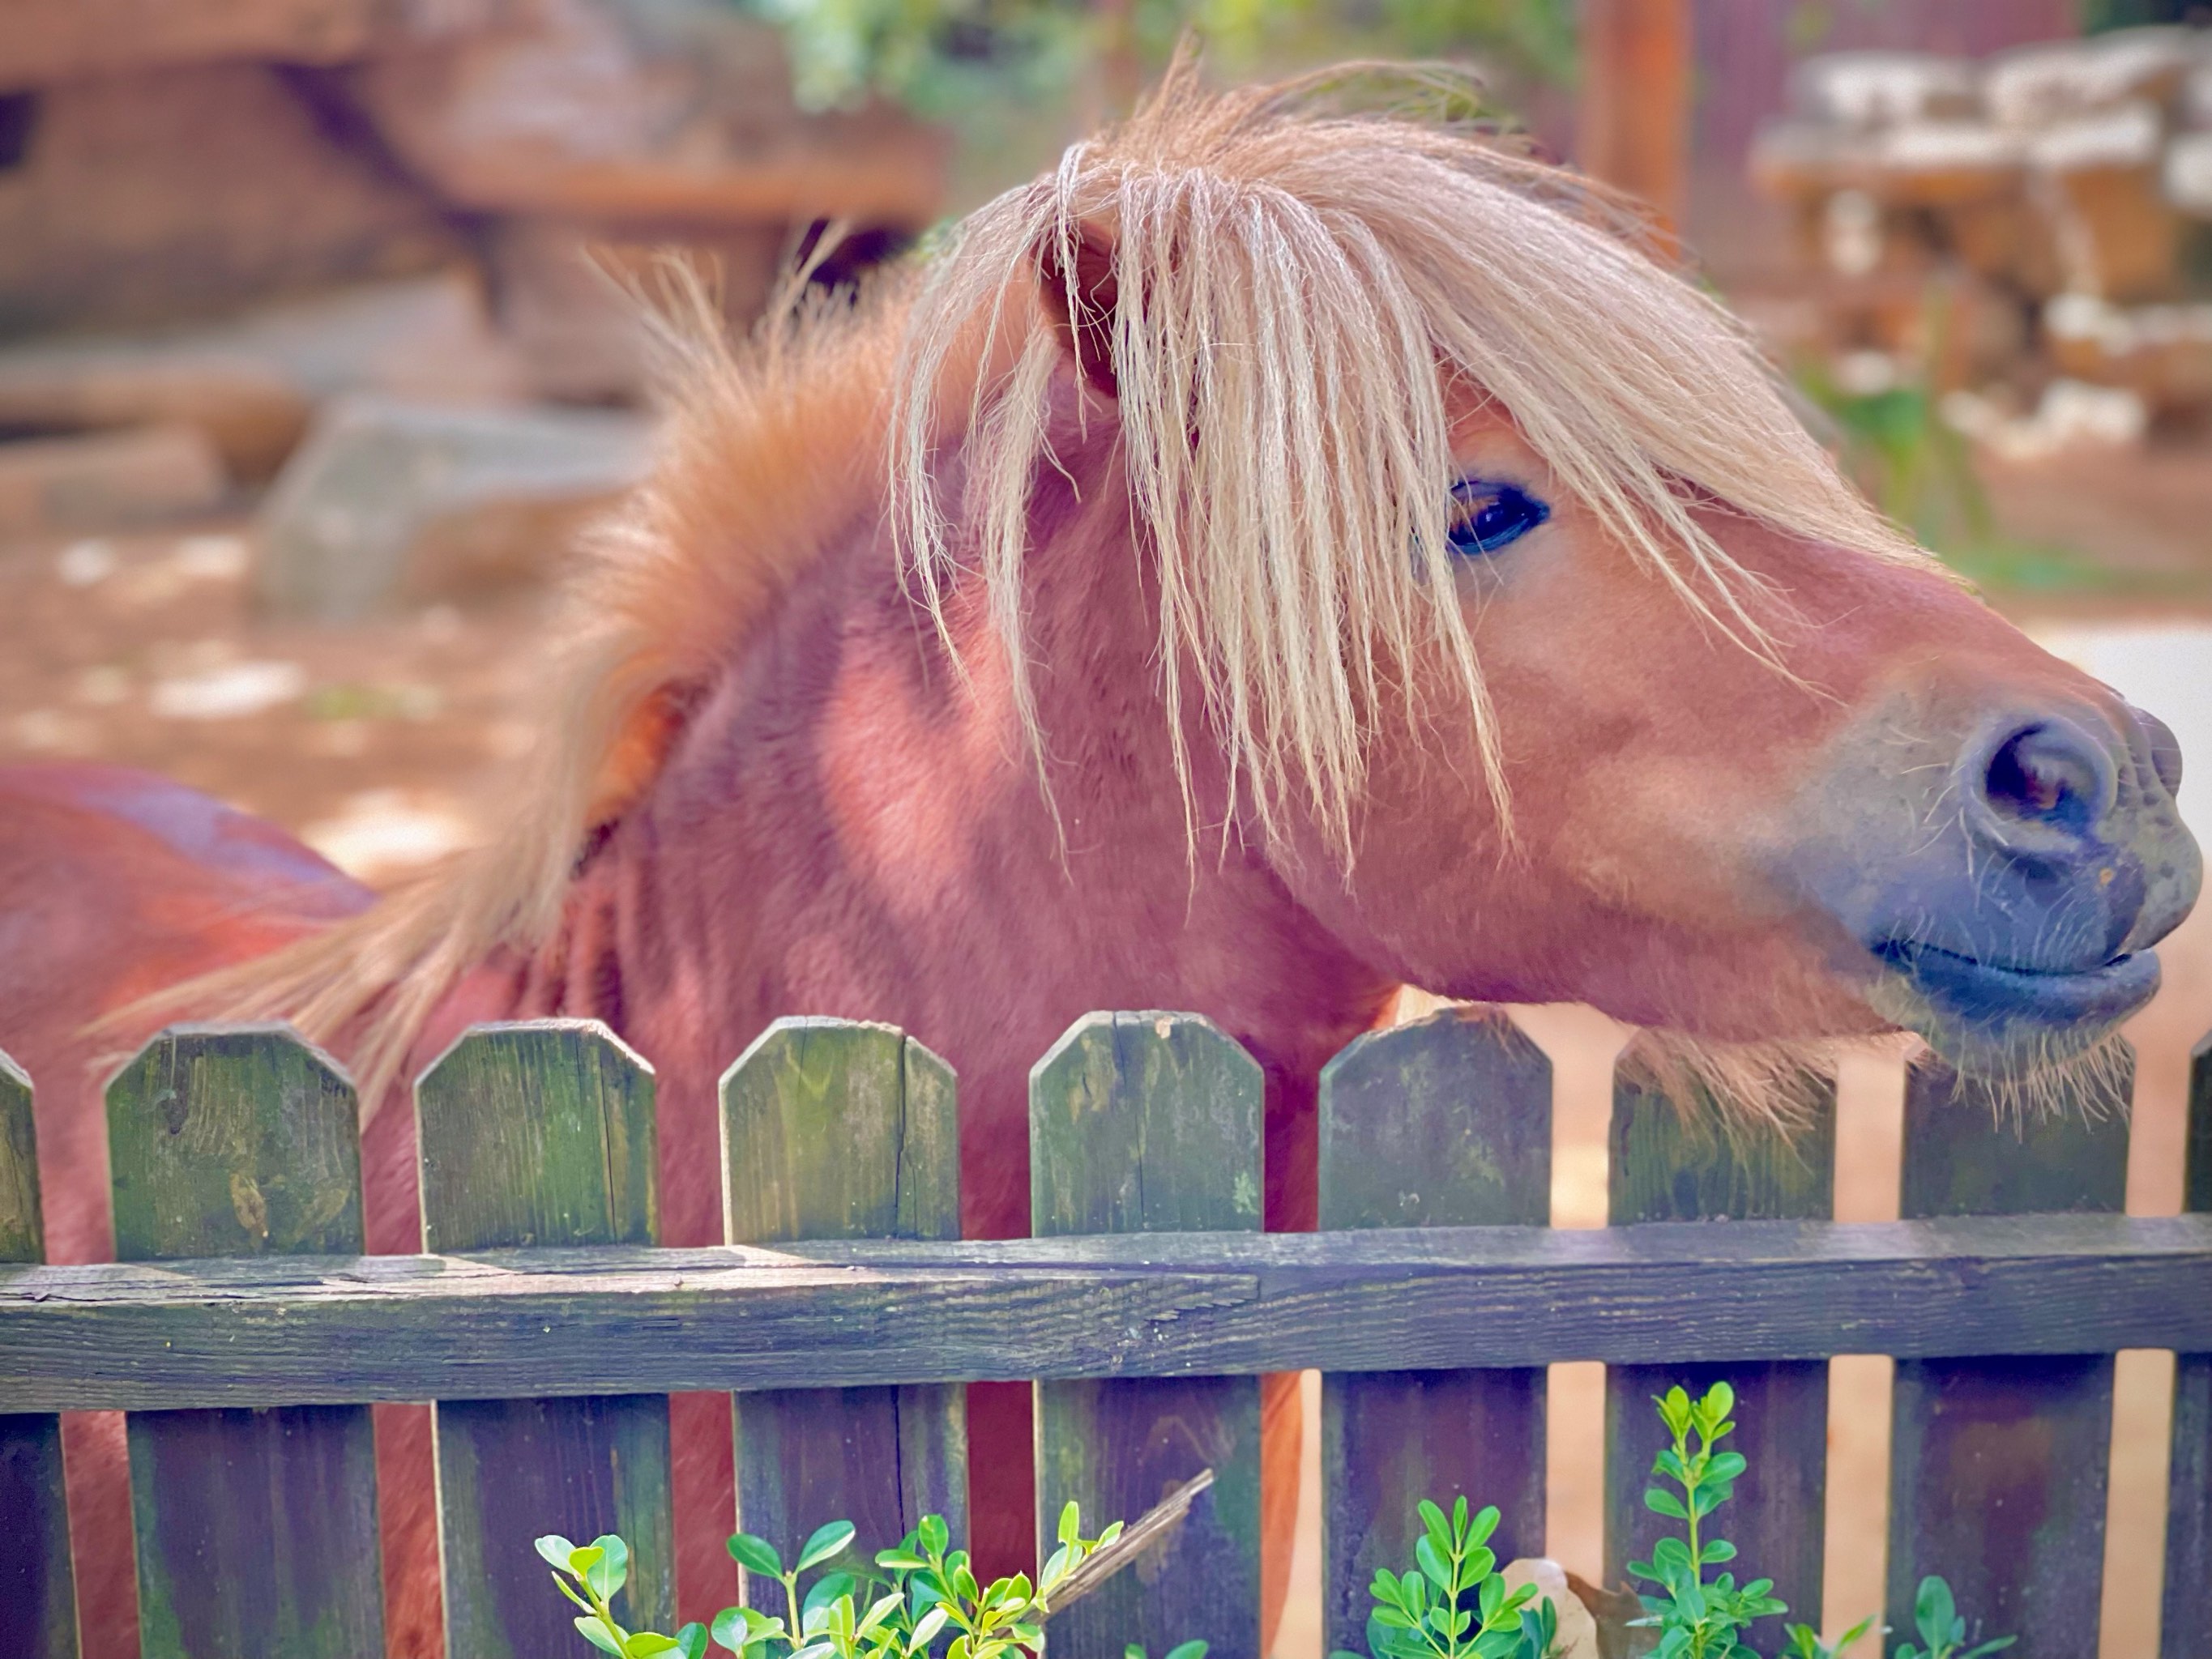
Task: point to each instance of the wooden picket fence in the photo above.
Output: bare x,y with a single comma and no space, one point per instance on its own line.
244,1332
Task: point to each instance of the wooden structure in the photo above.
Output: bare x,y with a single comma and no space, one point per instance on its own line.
246,1334
1634,128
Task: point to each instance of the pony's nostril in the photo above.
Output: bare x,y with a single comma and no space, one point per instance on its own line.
2164,748
2045,774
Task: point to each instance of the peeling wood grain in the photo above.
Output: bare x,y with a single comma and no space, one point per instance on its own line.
1149,1123
834,1129
1443,1122
1702,1164
255,1529
2186,1617
38,1593
541,1132
1998,1466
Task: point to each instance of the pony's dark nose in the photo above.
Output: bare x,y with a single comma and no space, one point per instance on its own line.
2165,748
2037,788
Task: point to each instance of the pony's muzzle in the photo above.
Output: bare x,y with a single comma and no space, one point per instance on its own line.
2014,885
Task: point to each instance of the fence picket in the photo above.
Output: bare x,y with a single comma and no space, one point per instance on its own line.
1150,1122
1445,1121
1670,1165
542,1132
255,1529
1999,1466
837,1129
38,1595
2185,1616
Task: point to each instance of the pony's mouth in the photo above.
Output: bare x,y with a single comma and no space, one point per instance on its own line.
1979,994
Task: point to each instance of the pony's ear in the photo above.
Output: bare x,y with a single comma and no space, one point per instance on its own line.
1080,302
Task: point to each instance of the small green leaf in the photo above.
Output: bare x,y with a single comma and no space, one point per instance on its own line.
1661,1501
593,1630
934,1535
1430,1561
729,1629
648,1645
756,1555
1485,1524
1187,1650
691,1640
827,1589
556,1550
926,1627
827,1540
612,1571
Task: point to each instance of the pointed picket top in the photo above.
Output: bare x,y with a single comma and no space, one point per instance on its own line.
1970,1152
838,1128
537,1132
1703,1159
23,1229
233,1140
1145,1122
38,1591
1442,1121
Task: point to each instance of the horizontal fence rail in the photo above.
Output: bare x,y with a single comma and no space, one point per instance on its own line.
247,1338
611,1319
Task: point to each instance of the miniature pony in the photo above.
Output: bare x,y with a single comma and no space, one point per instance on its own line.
1289,552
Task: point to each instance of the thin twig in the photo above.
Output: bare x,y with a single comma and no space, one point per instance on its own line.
1150,1529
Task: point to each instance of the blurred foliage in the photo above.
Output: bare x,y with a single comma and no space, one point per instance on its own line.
941,57
2098,16
1920,472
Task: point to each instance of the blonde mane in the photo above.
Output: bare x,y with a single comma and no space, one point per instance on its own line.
1299,283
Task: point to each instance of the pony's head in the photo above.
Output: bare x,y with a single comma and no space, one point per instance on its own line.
1521,621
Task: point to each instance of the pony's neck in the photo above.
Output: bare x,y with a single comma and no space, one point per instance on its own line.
850,826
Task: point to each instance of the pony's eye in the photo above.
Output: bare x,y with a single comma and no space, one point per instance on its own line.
1486,516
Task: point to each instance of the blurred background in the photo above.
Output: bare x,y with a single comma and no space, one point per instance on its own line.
314,349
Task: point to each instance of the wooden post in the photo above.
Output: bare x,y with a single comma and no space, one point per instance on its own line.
1634,117
1997,1466
1150,1122
542,1132
37,1595
2185,1616
1668,1165
834,1129
255,1529
1443,1122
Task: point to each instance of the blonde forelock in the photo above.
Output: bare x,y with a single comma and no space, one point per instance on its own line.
1297,285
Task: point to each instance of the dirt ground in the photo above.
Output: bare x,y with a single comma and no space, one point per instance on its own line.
373,743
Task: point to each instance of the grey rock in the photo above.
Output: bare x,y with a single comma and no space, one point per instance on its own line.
389,502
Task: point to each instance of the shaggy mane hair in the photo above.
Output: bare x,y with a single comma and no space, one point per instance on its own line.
1302,281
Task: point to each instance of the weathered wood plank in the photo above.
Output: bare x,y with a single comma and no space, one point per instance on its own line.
1146,1123
398,1327
23,1224
1700,1165
2185,1616
1446,1122
834,1129
255,1529
38,1595
1998,1466
542,1133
